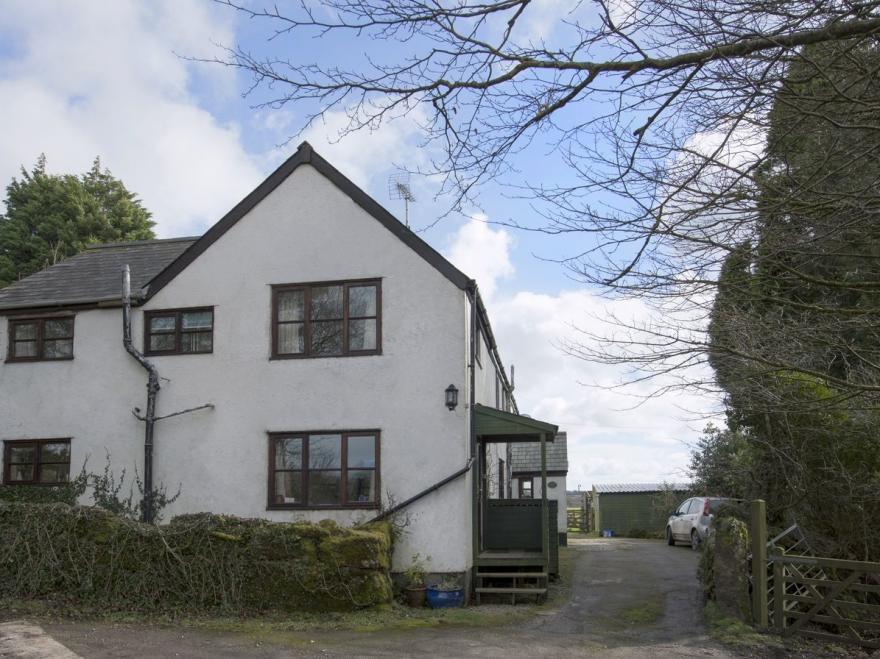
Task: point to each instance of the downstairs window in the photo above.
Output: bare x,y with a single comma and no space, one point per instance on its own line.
324,469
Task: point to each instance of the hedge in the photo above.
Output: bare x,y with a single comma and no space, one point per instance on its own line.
204,562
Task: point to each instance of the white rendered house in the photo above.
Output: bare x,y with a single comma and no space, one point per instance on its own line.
320,344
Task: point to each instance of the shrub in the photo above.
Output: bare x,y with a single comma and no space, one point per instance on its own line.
96,559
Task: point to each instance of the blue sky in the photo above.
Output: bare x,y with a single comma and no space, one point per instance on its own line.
103,78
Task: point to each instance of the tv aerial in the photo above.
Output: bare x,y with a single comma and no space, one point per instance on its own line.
399,188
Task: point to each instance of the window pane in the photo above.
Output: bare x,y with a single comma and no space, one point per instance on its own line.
21,472
361,486
325,451
291,305
326,302
58,329
196,342
324,487
288,487
361,301
22,453
361,451
54,473
55,452
58,349
326,338
162,342
25,331
291,339
288,453
163,323
362,334
197,320
24,349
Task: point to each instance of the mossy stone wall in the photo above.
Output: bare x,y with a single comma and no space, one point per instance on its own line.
90,557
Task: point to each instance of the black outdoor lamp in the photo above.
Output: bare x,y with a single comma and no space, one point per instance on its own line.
451,397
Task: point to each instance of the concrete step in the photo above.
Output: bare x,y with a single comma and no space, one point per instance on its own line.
507,575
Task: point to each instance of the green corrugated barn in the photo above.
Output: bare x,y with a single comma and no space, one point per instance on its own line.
635,509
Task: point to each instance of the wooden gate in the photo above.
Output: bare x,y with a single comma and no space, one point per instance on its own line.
826,598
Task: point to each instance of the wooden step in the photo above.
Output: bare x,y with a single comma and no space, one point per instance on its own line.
513,591
507,575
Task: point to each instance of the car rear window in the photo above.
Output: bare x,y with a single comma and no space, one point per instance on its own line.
716,505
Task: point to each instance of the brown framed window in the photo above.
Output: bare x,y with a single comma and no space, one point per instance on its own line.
36,461
330,319
179,331
526,489
324,469
40,339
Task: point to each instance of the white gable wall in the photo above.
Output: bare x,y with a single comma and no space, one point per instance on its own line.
305,230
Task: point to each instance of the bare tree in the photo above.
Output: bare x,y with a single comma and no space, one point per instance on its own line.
660,109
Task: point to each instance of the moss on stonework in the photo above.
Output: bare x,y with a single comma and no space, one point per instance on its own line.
194,563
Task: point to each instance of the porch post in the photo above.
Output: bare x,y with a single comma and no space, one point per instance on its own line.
545,520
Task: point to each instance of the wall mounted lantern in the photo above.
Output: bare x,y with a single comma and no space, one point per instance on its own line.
451,397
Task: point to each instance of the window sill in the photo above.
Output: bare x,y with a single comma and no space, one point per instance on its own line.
350,506
177,354
372,353
28,360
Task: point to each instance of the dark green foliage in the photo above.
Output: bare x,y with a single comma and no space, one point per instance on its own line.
51,217
795,329
721,464
101,561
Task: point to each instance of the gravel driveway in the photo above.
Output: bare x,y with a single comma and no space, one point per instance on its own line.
629,598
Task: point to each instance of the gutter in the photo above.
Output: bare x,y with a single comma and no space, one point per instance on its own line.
152,392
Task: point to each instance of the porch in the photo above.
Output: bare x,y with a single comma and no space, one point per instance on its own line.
515,540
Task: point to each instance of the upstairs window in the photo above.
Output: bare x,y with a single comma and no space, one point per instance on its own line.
179,331
332,319
324,469
36,461
526,489
40,339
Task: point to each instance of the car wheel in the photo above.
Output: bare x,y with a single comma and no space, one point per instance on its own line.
669,539
695,540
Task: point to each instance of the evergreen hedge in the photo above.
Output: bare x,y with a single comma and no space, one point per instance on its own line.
90,557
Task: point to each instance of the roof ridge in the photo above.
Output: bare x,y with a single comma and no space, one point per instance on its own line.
151,241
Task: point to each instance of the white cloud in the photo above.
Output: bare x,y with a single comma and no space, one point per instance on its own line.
103,79
608,441
483,253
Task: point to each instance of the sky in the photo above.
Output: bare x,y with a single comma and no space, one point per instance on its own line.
111,79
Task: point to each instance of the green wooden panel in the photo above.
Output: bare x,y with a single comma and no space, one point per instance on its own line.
513,524
554,535
626,512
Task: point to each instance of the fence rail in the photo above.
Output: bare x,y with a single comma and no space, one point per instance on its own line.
827,598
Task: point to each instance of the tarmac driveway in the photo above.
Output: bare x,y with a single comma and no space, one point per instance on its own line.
628,598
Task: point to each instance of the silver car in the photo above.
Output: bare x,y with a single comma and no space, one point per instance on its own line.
692,522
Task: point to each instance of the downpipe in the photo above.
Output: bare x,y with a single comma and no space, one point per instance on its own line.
152,392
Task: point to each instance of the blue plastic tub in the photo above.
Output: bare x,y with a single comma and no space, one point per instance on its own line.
445,599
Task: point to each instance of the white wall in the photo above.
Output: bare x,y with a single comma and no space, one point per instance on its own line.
555,493
306,230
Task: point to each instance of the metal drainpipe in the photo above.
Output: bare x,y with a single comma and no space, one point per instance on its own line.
152,392
472,293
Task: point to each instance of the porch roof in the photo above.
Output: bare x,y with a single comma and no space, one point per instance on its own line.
503,426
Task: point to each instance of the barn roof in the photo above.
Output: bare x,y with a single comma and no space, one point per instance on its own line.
627,488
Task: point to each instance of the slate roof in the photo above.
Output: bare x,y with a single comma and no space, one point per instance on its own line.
627,488
94,275
526,457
